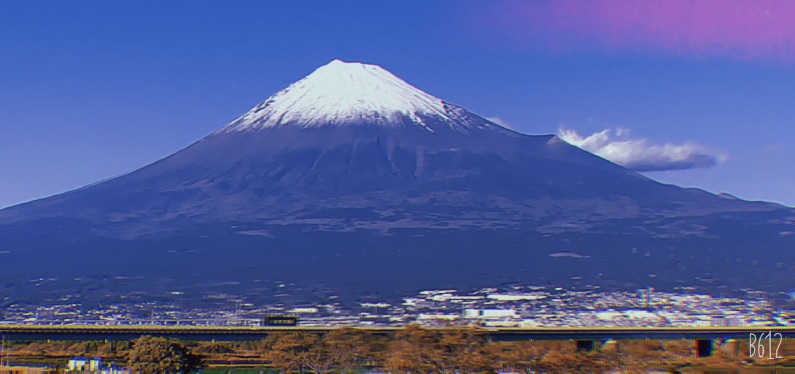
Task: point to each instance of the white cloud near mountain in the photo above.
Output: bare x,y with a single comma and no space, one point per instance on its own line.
638,154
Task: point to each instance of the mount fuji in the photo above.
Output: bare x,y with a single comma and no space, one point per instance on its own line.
352,181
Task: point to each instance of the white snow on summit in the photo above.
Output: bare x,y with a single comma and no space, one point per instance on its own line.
341,93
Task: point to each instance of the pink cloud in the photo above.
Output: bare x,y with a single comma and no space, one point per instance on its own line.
744,29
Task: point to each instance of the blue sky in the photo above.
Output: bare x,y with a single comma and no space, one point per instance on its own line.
89,90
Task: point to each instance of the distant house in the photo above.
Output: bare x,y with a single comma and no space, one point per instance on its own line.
113,370
78,364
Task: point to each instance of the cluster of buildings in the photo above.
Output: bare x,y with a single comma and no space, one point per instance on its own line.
539,306
510,306
73,365
93,365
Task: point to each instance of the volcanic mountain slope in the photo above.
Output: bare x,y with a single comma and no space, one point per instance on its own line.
354,138
354,150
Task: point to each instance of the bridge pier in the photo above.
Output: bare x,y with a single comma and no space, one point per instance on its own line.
584,345
733,346
704,347
609,345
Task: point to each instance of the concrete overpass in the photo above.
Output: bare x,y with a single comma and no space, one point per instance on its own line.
239,333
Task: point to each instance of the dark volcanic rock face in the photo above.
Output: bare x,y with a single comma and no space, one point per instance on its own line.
430,189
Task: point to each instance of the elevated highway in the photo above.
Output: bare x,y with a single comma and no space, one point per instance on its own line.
239,333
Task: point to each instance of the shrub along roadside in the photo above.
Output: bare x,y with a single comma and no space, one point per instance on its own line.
412,349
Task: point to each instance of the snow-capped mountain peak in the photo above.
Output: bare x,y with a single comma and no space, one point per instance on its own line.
344,93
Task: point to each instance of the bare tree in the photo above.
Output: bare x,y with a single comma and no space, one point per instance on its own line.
290,351
349,347
319,357
455,350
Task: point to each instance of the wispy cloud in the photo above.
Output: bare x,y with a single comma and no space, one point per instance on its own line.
637,154
743,29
